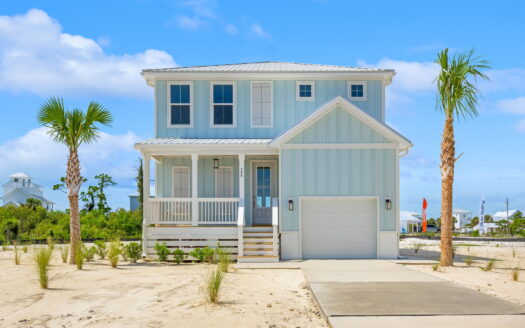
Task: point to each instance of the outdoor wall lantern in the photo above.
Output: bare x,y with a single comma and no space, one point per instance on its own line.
215,163
290,204
388,204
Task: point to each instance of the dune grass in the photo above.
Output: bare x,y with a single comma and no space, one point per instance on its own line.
79,257
214,278
515,273
469,260
16,253
114,251
224,260
64,252
42,257
489,265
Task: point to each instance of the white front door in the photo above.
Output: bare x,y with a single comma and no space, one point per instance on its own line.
264,188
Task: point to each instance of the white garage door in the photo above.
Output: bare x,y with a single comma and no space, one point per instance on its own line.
338,228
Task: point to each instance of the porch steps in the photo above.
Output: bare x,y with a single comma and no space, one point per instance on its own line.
258,245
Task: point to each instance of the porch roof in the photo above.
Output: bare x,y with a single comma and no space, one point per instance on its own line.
179,141
178,146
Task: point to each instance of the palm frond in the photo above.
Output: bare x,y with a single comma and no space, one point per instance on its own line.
458,94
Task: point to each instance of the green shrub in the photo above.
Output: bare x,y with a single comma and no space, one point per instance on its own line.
489,265
214,278
79,256
42,257
16,253
179,255
88,252
133,251
208,255
114,250
197,254
64,252
224,260
162,251
474,233
101,249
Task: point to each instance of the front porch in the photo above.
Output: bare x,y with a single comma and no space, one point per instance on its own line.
212,198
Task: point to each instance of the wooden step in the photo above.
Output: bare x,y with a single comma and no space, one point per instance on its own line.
257,259
258,249
258,243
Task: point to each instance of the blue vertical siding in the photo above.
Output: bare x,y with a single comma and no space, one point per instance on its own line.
287,111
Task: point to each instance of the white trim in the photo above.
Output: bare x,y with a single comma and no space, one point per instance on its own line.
310,83
339,101
271,105
168,102
228,167
397,204
301,198
187,167
340,146
349,86
234,105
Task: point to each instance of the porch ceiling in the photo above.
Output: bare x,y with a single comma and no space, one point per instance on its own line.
175,146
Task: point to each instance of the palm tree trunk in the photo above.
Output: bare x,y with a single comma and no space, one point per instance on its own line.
73,181
448,154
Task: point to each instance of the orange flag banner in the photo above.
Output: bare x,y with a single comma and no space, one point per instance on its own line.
424,215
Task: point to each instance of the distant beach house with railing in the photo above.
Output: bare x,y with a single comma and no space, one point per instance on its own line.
20,188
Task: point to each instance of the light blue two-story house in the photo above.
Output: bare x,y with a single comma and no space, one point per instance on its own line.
273,160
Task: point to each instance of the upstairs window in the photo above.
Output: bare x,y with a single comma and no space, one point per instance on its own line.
261,104
305,90
223,104
357,90
180,103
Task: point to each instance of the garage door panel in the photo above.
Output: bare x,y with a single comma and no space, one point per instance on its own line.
339,228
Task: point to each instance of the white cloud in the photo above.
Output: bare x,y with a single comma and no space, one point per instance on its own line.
190,23
36,56
45,160
203,8
505,80
231,29
521,126
512,106
257,30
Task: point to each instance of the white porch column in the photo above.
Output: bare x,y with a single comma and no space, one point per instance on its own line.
145,201
242,158
242,201
194,189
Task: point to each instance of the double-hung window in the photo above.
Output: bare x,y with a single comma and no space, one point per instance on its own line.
357,90
223,104
181,181
224,182
305,90
180,104
261,104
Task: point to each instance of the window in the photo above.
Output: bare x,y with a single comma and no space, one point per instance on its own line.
357,90
180,104
261,104
305,90
224,182
181,181
223,104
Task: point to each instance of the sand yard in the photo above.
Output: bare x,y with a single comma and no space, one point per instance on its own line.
150,295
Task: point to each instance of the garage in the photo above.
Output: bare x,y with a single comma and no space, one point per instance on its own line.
338,227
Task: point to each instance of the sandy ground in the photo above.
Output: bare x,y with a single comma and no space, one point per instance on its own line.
497,282
150,295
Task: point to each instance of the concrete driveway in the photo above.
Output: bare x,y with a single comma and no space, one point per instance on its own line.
380,293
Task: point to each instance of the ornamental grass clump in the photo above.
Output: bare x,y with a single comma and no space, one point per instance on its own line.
162,251
25,248
64,251
79,256
101,249
224,260
516,273
490,265
469,260
114,250
214,278
42,257
16,253
133,251
435,267
89,252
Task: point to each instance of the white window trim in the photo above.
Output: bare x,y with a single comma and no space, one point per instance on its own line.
173,179
251,105
168,101
232,186
234,110
349,89
297,84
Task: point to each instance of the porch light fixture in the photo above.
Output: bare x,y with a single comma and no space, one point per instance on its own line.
215,163
290,204
388,204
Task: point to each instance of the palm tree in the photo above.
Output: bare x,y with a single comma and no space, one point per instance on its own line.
73,128
457,97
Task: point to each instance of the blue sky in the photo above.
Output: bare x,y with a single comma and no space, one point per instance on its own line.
85,50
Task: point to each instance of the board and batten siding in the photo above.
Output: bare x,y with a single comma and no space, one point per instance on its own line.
287,111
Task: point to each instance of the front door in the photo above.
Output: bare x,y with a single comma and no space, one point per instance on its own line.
264,188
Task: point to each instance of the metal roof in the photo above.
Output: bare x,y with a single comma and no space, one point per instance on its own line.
178,141
270,67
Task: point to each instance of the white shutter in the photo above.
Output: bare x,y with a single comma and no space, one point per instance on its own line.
224,182
261,104
181,181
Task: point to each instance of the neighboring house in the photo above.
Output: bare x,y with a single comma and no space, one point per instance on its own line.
272,161
409,222
20,188
133,202
502,215
488,227
462,218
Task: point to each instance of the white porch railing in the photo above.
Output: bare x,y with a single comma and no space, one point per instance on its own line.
169,211
218,210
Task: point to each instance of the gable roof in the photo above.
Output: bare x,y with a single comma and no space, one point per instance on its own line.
269,67
41,198
339,101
